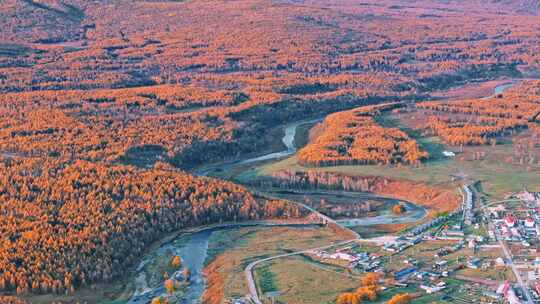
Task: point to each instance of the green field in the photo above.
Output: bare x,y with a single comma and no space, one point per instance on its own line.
303,282
498,177
231,251
265,279
300,281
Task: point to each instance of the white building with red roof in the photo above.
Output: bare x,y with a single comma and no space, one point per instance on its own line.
510,220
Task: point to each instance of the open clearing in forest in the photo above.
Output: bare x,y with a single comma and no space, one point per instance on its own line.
498,175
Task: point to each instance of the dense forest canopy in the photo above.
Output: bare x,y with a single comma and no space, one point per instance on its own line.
104,103
65,225
103,44
355,137
482,121
123,77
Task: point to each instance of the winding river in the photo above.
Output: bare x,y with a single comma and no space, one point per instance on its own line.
193,248
413,213
193,252
288,141
502,87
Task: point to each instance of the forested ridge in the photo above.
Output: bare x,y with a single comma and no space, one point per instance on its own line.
483,121
126,86
435,197
134,43
67,225
354,137
104,103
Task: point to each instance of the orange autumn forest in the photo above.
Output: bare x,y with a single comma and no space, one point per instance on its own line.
278,151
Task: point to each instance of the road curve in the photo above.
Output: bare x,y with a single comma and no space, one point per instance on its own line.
248,271
288,140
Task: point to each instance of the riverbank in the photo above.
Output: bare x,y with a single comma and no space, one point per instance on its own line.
288,141
475,90
206,248
414,212
192,246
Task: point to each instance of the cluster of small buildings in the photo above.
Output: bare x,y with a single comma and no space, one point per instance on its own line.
447,250
431,282
433,288
405,273
512,228
400,245
505,290
362,260
418,230
372,264
521,225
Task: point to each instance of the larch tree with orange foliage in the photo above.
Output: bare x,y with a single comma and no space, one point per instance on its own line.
400,299
369,290
176,261
170,285
354,137
398,209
